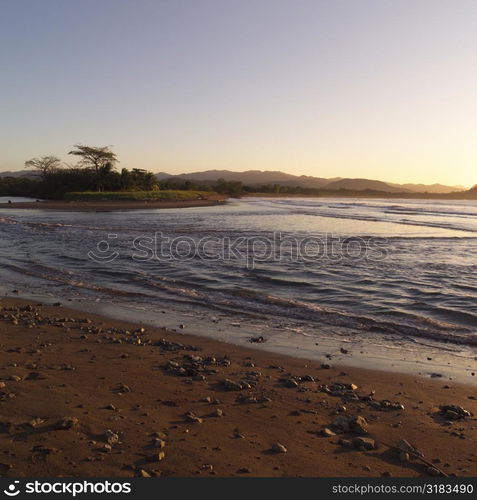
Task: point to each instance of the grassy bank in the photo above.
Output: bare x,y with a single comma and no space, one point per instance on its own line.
138,195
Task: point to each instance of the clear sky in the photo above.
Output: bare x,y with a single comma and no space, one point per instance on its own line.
383,89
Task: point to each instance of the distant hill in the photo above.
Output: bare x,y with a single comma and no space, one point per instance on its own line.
363,185
429,188
20,173
260,177
250,177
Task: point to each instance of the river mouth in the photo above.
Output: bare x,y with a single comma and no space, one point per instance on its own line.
407,303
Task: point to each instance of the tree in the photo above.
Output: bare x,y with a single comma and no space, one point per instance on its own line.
100,159
45,164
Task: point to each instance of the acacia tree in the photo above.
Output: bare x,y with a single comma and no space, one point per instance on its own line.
100,159
44,164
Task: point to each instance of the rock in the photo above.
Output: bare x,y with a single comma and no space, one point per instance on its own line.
257,340
218,413
290,382
358,425
111,437
327,432
341,423
143,473
278,448
36,422
160,435
2,385
354,424
67,423
158,443
15,378
346,443
191,417
407,447
364,443
123,388
386,405
432,471
230,385
404,456
454,412
243,470
156,457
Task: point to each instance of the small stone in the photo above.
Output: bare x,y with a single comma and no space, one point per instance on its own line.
218,413
327,432
67,423
191,417
278,448
158,443
403,456
364,443
111,437
36,422
433,472
156,457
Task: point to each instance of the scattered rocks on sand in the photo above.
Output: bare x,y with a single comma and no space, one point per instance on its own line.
168,346
386,405
454,412
230,385
353,424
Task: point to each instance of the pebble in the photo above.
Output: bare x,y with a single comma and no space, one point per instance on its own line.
278,448
364,443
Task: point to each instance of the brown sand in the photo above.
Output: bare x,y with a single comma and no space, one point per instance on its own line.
70,368
108,206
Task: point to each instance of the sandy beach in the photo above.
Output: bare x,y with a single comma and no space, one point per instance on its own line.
107,206
83,395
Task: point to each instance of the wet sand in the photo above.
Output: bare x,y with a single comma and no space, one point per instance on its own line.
108,206
82,395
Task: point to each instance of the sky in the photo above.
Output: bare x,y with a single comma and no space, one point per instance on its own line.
380,89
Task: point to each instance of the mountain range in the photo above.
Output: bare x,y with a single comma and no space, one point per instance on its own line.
260,177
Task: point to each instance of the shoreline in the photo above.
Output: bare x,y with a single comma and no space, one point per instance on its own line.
107,206
59,362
